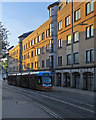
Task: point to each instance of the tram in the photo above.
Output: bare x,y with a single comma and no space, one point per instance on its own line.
32,80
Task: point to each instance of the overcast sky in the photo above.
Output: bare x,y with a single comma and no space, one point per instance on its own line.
21,17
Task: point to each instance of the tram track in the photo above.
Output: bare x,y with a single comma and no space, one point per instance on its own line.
46,106
54,110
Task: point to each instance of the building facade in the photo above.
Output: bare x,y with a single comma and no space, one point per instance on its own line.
65,45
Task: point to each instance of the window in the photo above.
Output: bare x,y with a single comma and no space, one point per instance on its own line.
29,44
39,38
68,1
60,7
32,65
47,63
51,29
76,36
47,48
76,58
43,36
67,21
24,48
28,55
89,31
32,54
60,61
59,43
38,51
36,64
42,63
26,45
28,66
50,12
51,45
35,40
89,56
32,42
68,39
43,49
89,7
69,59
60,25
47,33
77,15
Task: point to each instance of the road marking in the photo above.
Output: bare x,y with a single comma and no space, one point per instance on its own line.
84,103
49,111
92,111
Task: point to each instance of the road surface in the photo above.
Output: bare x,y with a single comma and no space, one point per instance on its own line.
58,103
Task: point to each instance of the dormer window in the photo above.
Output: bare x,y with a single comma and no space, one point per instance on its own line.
60,7
50,12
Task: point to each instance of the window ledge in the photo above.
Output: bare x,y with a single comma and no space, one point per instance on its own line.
77,20
89,13
67,25
89,37
76,41
59,47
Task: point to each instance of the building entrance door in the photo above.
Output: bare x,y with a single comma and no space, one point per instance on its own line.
58,79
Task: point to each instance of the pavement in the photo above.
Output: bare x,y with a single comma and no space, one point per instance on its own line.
73,90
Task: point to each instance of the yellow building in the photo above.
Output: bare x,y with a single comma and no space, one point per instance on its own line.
14,59
65,45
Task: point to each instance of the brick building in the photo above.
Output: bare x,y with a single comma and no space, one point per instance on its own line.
65,45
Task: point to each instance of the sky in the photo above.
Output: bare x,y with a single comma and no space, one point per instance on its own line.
21,17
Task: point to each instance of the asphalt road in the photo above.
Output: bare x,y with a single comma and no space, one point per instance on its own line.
58,103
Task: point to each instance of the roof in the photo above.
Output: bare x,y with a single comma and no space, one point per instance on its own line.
51,5
25,34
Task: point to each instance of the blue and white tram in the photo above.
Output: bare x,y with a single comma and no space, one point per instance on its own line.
32,80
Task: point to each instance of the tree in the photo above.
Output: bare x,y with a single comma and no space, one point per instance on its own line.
3,41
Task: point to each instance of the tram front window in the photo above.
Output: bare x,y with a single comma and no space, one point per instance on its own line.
46,80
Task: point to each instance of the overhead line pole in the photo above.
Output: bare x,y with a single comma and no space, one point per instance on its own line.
72,38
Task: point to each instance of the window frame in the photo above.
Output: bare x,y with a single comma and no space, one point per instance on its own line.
60,43
75,41
75,57
90,32
68,21
60,60
60,25
67,40
90,11
77,11
67,59
43,36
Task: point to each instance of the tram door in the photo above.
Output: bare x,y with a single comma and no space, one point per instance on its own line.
58,79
